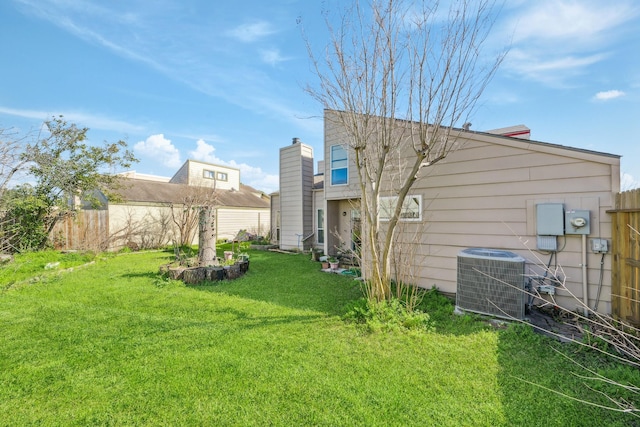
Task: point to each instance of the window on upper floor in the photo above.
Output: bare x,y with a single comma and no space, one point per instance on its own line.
339,165
219,176
411,208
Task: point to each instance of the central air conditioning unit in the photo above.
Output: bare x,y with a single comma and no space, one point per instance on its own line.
491,281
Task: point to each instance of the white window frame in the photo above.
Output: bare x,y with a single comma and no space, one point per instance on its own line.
408,212
208,174
320,226
222,176
332,161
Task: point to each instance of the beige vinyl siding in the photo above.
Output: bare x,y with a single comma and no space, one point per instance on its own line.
197,170
230,221
335,136
296,203
484,195
138,219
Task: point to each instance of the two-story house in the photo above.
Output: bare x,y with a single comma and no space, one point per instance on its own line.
491,192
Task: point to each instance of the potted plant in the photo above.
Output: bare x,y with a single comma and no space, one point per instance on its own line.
333,263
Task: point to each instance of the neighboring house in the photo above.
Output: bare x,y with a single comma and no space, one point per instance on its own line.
147,200
496,190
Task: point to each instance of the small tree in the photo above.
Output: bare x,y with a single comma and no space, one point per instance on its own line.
391,61
63,166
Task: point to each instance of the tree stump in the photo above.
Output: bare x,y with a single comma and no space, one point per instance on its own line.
193,276
175,273
214,274
233,272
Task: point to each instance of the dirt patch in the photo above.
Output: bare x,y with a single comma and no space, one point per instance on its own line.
560,325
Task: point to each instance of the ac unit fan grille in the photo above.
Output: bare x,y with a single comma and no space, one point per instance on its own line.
492,285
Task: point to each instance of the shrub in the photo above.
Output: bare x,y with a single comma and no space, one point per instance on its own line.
385,316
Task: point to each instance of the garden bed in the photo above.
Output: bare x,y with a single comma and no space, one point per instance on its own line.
198,275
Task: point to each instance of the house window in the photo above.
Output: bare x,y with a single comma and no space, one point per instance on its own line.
339,163
320,226
411,208
220,176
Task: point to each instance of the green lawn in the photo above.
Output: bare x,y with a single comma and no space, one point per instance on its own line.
115,344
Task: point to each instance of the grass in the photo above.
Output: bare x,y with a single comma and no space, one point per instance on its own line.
115,344
33,265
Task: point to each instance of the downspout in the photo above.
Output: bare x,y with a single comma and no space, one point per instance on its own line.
585,287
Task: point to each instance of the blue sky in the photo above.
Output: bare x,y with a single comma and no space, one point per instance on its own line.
223,81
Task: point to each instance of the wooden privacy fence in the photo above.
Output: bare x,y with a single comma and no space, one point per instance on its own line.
87,230
625,247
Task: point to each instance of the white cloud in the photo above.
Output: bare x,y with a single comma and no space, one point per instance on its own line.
577,22
608,94
552,70
249,175
92,121
555,40
272,56
160,148
204,152
251,32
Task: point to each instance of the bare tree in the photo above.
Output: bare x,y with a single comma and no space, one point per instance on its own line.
11,148
198,213
186,215
400,75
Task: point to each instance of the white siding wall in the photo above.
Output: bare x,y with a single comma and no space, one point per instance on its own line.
296,181
197,177
230,221
141,222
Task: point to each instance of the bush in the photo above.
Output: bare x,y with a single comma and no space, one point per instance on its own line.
385,316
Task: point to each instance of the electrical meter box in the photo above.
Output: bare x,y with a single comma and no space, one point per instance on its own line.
577,222
550,219
599,246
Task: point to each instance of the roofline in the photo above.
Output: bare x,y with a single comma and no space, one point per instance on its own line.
211,164
510,138
543,144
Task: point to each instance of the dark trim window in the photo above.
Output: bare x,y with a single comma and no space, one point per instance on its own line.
219,176
339,165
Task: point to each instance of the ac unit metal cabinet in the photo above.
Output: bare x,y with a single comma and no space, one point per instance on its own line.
491,281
